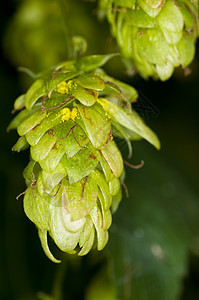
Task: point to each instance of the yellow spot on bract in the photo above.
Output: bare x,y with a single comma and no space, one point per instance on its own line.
66,114
65,110
70,84
73,113
62,88
103,104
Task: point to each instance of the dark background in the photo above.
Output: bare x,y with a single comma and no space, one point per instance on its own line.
170,108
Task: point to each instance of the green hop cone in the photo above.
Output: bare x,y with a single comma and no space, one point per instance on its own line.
69,116
155,35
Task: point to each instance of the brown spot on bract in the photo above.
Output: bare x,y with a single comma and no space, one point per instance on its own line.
92,156
84,139
86,117
93,93
54,147
35,127
162,4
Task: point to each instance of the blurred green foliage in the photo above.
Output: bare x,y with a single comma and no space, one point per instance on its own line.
154,241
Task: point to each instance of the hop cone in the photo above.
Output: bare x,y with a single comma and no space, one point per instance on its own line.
73,178
156,35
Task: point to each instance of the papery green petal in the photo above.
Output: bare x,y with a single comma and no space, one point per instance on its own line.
80,198
91,81
44,242
19,102
152,46
120,89
171,22
154,3
31,171
85,96
96,123
86,247
151,7
56,99
65,66
132,121
20,118
102,235
72,136
64,239
37,90
105,166
37,208
30,122
87,231
71,226
140,19
105,197
116,201
186,50
52,159
165,71
33,136
113,157
114,186
41,150
125,133
59,77
89,63
21,144
188,15
107,219
172,37
51,180
126,3
81,164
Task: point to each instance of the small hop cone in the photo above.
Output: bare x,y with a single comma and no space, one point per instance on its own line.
155,35
73,178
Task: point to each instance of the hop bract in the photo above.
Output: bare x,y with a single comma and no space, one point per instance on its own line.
67,118
156,35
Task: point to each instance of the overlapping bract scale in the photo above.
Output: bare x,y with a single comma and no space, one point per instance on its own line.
155,35
73,178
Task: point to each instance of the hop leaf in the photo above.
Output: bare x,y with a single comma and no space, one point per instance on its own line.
73,178
155,35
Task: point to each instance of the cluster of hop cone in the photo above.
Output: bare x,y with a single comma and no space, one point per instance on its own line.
155,35
68,118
